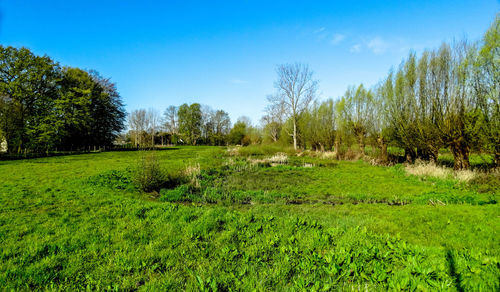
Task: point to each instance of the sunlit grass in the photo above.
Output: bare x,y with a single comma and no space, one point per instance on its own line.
79,222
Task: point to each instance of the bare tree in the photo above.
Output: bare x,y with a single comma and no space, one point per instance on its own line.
274,118
171,119
137,121
153,118
296,88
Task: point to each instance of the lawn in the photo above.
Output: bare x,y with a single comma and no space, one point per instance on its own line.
80,222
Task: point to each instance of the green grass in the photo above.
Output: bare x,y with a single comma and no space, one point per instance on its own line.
79,222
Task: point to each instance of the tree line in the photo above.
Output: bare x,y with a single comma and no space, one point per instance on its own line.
188,124
45,107
445,98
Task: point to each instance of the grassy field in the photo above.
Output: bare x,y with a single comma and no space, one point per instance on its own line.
229,222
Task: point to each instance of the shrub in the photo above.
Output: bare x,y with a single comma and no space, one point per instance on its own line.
150,176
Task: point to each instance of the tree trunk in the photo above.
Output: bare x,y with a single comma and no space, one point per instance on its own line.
497,154
337,149
409,155
294,135
460,155
362,144
384,157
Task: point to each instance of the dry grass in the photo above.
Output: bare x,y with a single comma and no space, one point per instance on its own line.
278,158
233,151
192,172
421,168
352,155
466,175
329,155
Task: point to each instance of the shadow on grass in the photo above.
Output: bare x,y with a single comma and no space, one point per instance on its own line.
9,156
453,270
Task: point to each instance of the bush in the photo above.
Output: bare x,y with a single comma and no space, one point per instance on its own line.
150,176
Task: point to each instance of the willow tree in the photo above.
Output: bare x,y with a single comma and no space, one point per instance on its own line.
427,138
458,117
342,128
358,108
296,88
381,129
485,81
318,125
401,106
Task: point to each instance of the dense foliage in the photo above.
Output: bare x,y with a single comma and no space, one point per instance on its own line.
45,107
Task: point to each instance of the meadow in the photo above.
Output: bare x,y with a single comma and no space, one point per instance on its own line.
243,219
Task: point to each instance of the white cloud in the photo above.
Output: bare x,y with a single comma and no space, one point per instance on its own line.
337,38
378,45
238,81
356,48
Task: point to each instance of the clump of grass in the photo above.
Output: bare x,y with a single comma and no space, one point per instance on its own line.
192,173
431,169
279,158
466,175
329,155
233,151
422,168
352,155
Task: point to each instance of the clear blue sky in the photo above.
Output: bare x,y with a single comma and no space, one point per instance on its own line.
224,53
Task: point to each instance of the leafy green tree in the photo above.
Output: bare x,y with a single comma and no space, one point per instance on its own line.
107,110
74,108
222,126
28,88
318,125
381,130
485,82
238,133
190,122
358,110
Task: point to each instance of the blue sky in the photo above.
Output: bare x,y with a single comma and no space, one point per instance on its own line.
224,53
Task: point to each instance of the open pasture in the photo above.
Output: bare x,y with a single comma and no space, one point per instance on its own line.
242,222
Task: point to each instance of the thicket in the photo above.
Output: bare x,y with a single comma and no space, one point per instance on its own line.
45,107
